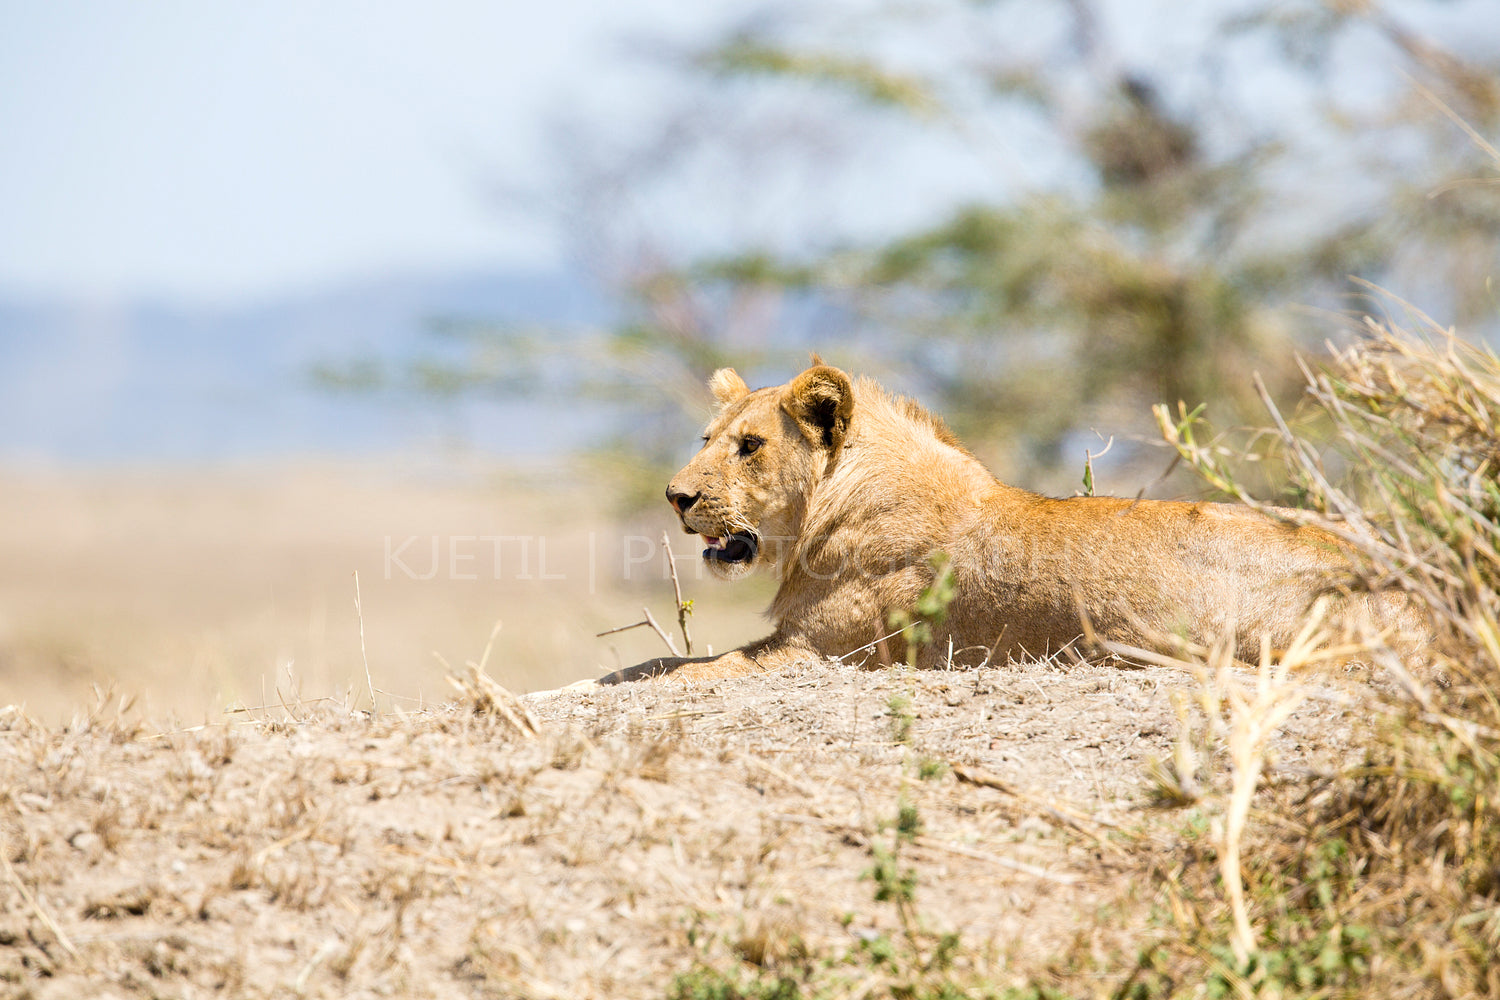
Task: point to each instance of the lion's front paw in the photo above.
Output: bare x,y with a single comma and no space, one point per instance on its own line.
659,667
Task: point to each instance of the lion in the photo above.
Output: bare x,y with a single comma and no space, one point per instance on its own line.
855,498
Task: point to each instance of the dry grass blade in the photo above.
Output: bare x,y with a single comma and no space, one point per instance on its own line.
359,612
36,907
487,696
1252,723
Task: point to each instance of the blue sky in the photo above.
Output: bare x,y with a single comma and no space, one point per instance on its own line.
223,151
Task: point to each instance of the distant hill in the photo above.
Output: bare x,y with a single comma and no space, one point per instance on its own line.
86,382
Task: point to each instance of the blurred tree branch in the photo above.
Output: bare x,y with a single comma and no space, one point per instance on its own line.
1152,230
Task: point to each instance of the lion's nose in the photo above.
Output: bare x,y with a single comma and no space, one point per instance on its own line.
681,501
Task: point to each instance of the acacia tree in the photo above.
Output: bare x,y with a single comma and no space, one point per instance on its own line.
1037,217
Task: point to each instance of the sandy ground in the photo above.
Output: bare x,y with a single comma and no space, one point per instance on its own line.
317,851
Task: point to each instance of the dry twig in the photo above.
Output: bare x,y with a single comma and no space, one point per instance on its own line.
684,608
648,620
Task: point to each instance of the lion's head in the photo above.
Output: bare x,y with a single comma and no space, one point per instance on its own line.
763,453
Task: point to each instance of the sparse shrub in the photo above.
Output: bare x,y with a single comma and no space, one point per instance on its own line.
1382,878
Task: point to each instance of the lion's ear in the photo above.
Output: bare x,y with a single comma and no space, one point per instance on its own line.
727,386
822,401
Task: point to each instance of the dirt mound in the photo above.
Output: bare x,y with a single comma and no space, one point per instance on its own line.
647,830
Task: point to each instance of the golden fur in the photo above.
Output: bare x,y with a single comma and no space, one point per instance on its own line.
845,492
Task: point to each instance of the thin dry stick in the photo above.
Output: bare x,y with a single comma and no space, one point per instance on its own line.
1061,878
869,645
36,907
648,620
360,614
241,709
990,654
684,608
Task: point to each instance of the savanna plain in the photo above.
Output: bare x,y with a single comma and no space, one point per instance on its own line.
221,777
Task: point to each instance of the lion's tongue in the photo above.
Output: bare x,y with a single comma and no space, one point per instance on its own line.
713,543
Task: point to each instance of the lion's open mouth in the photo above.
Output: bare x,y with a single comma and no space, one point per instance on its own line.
737,548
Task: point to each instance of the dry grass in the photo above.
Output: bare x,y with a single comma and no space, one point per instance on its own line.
1381,878
646,832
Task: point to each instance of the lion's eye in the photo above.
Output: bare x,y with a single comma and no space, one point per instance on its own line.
750,445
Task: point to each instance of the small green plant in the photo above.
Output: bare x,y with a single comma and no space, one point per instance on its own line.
916,625
704,983
898,710
894,884
910,962
1088,467
918,959
932,768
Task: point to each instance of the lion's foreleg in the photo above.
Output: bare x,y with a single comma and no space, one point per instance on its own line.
771,653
